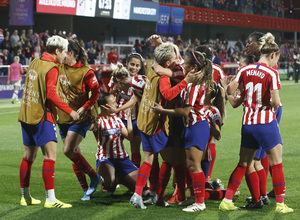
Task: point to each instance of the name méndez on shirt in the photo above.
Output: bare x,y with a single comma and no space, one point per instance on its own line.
255,73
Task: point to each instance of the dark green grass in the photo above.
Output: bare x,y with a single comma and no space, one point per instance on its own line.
116,206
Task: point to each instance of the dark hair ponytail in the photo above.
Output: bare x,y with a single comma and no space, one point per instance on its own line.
79,52
204,64
218,96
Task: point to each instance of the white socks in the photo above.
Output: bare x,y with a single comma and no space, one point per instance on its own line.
50,195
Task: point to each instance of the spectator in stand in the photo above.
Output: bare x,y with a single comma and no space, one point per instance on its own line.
35,53
92,55
138,46
27,51
45,36
112,56
297,67
14,76
6,60
216,59
88,44
6,44
1,36
14,38
21,56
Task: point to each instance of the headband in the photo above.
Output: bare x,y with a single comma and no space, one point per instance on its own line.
197,59
270,52
136,55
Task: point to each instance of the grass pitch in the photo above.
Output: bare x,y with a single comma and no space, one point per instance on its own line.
116,206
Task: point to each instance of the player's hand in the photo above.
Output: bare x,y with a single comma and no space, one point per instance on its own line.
110,108
128,113
193,76
157,108
74,115
93,124
82,112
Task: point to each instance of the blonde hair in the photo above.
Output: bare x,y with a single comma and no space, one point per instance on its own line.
119,71
56,42
17,59
268,44
164,52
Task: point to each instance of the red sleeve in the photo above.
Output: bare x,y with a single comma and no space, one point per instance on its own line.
91,82
51,80
169,92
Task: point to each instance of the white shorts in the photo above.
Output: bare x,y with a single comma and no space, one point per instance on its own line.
16,83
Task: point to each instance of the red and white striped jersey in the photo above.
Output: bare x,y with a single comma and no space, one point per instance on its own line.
218,73
276,68
193,95
213,115
123,97
108,136
138,84
178,71
258,80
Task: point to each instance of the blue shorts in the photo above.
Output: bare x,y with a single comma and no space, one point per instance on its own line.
278,114
265,135
260,153
197,135
122,166
38,135
80,128
155,143
136,131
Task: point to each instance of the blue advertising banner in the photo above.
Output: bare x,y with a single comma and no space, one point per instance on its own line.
176,21
144,11
21,12
164,19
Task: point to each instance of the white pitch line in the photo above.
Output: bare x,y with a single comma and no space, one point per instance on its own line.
2,113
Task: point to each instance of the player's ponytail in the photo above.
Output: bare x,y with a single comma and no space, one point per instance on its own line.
79,52
218,98
204,64
268,45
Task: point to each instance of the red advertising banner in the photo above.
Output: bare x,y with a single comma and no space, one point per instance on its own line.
67,7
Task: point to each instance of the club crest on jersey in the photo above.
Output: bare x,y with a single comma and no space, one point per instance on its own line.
111,131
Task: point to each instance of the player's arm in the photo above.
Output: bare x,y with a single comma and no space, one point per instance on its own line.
275,99
51,81
127,105
91,82
158,109
169,92
156,39
215,130
128,132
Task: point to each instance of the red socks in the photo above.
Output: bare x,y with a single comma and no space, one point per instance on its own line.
25,171
48,173
189,180
199,187
154,176
142,178
262,182
266,164
164,177
81,177
136,159
253,185
278,182
83,165
213,154
235,181
179,172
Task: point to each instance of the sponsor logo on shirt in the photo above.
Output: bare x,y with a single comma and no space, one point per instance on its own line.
111,131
